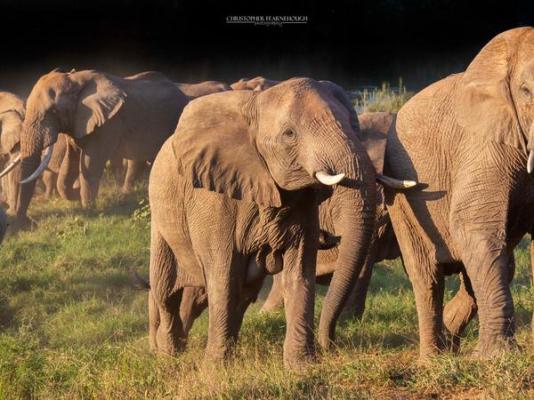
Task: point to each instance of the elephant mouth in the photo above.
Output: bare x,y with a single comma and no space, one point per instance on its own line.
41,167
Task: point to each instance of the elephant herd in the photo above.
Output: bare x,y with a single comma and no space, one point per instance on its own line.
283,178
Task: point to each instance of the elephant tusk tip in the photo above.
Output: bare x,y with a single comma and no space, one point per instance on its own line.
327,179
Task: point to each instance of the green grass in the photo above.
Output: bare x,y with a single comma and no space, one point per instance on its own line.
71,327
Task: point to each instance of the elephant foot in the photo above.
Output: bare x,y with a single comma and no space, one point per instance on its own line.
22,223
494,347
300,362
168,344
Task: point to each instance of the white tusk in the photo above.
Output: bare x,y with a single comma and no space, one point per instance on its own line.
41,166
396,183
10,166
327,179
530,162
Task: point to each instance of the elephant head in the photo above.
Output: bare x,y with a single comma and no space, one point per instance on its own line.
74,103
495,96
11,119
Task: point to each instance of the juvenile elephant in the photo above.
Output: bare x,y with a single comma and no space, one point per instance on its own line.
466,138
234,195
258,83
104,114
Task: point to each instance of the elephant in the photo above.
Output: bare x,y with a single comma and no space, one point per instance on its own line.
258,83
374,127
194,90
104,115
467,138
234,196
11,118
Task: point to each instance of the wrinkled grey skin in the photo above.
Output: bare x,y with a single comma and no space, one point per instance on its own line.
105,115
337,220
477,128
266,219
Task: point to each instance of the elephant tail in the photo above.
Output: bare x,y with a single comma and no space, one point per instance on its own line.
137,281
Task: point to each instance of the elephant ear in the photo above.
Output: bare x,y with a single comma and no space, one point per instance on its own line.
99,100
215,148
374,129
484,103
10,126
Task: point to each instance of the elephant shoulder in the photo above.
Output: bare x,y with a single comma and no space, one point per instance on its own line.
434,100
374,129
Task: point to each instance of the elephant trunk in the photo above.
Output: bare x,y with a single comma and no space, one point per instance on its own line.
356,198
35,137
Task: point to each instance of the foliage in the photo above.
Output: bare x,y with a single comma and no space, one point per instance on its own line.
385,98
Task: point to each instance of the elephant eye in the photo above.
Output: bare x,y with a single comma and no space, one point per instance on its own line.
289,134
525,91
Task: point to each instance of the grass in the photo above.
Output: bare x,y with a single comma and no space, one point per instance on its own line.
73,328
384,98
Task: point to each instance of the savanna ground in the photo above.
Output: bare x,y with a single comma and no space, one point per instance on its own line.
72,326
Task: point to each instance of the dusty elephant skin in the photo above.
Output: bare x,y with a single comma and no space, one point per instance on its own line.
337,218
466,139
223,221
104,114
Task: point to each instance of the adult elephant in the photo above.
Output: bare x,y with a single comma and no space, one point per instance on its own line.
245,172
336,220
11,119
466,138
105,115
12,113
257,84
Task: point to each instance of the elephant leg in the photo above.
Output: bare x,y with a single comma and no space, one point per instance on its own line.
166,333
133,172
298,278
222,288
69,172
275,299
459,312
428,291
49,180
487,267
194,302
117,168
93,158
